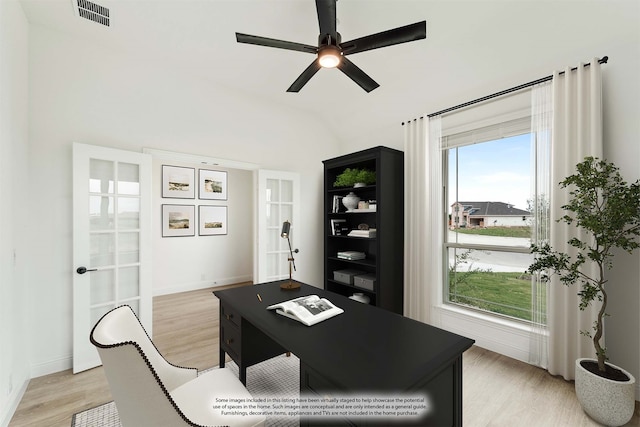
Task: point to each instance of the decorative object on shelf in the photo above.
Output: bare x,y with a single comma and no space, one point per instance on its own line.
178,220
370,233
360,297
213,185
213,220
351,255
337,225
290,285
354,177
350,201
606,209
346,275
178,182
365,281
362,204
363,226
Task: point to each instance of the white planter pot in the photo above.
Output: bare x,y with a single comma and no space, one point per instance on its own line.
606,401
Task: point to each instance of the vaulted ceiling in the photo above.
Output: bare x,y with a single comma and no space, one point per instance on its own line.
466,41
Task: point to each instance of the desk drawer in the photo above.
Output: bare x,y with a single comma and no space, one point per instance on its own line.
230,314
230,339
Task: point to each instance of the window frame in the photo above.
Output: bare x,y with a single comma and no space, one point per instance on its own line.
509,127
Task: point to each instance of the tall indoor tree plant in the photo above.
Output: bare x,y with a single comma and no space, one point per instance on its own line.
607,209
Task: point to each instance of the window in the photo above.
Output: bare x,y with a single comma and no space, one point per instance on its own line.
488,176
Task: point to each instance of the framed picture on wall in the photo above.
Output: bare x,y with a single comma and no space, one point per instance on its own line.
178,182
213,220
178,220
213,185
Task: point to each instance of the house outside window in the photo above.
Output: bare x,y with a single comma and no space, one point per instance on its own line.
487,176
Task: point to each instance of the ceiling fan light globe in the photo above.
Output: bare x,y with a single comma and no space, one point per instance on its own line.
329,57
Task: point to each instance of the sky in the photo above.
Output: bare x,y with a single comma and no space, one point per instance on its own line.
494,171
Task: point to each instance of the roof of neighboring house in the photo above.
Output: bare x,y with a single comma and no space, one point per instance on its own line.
492,209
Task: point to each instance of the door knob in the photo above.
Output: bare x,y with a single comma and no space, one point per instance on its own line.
82,270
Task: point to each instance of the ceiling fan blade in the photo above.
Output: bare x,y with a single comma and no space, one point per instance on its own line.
398,35
280,44
357,75
327,16
305,77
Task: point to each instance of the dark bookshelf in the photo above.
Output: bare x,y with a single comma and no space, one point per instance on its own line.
384,252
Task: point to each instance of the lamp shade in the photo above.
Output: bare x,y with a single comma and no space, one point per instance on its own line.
329,56
286,226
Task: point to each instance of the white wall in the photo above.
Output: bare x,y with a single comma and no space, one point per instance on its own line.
187,263
524,41
85,93
14,351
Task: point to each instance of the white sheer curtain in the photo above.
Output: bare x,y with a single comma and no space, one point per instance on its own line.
541,131
423,192
577,133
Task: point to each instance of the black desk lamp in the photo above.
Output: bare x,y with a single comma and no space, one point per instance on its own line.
290,285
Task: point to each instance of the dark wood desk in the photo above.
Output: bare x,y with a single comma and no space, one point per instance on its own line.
365,349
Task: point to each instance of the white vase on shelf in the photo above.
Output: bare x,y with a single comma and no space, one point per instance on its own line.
350,201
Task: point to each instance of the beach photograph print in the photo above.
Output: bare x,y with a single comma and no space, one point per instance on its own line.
178,220
213,185
213,220
178,182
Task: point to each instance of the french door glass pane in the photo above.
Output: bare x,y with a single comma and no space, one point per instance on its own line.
273,190
128,248
102,286
128,179
102,249
286,191
286,213
273,219
129,282
128,212
273,239
272,265
101,176
101,210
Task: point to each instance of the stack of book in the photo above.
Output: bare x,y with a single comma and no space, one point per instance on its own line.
363,233
351,255
337,201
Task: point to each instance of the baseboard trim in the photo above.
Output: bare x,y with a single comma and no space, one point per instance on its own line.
194,286
13,400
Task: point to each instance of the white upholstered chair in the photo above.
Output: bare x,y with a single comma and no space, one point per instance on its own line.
150,391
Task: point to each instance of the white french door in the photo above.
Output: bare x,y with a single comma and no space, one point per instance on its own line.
278,201
111,241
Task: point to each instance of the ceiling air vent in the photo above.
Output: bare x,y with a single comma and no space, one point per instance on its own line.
91,11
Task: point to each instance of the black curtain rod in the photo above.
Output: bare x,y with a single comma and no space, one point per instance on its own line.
506,91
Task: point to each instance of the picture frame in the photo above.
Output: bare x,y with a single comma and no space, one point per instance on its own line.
178,220
212,220
212,184
178,182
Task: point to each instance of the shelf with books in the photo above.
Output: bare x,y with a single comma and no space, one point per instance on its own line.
380,213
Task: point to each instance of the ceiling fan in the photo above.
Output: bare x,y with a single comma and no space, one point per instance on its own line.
331,52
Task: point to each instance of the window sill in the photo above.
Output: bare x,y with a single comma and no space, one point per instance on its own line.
504,336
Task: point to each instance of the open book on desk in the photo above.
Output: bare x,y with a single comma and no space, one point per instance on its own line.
308,310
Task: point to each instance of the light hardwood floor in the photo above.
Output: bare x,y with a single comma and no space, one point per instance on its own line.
498,391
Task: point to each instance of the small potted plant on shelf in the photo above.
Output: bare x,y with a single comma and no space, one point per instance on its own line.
607,209
354,177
